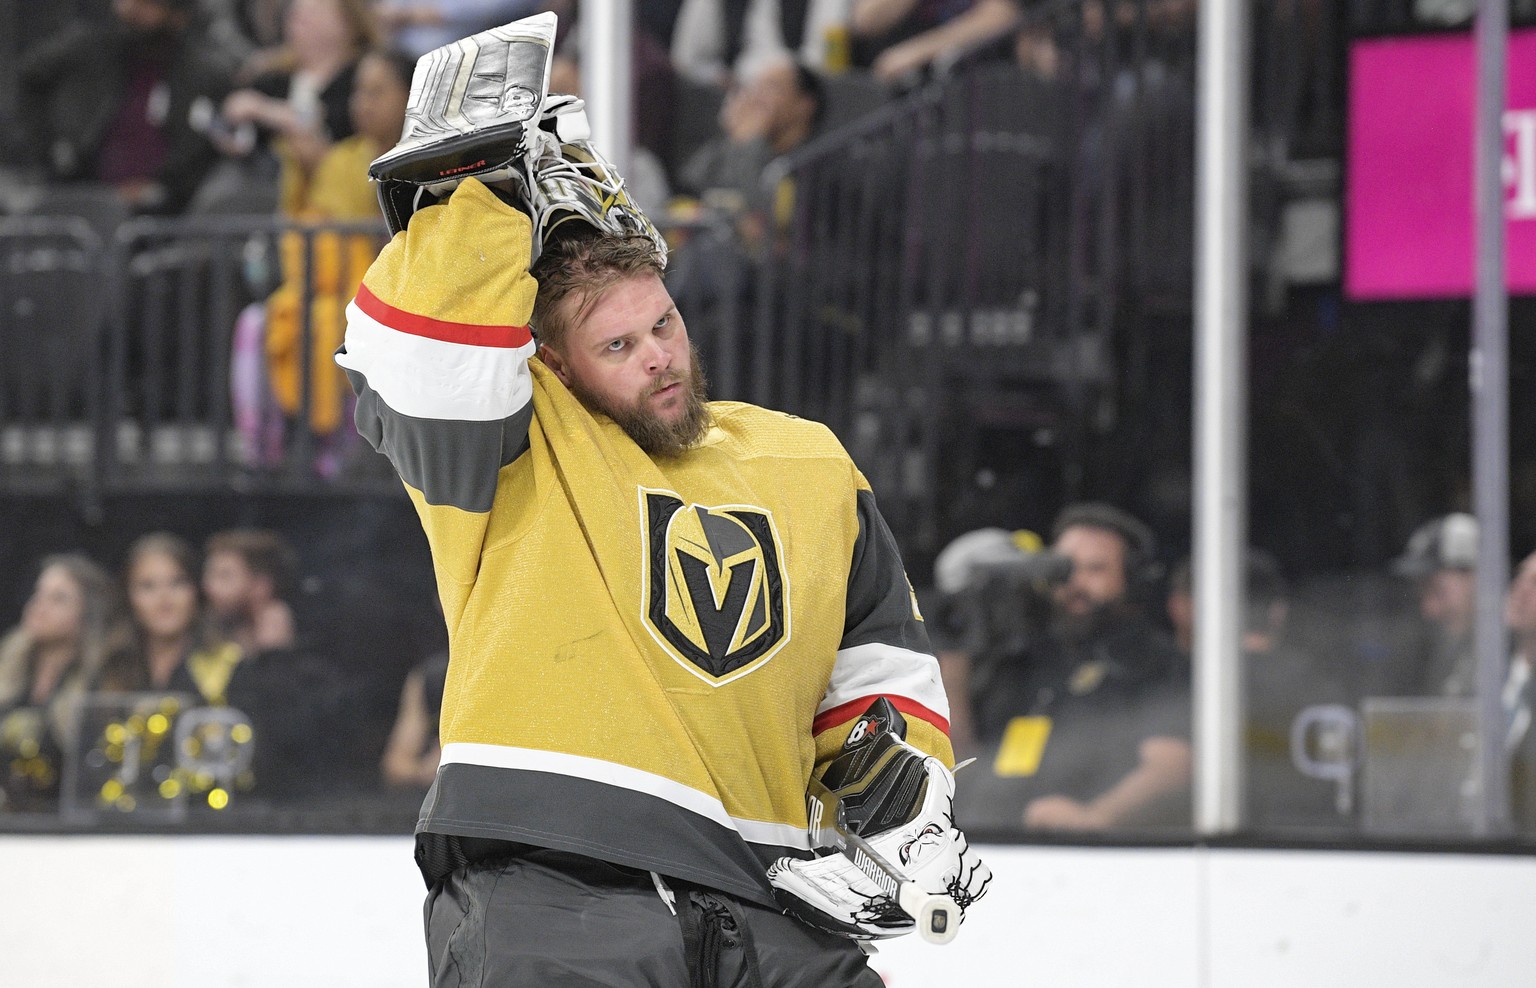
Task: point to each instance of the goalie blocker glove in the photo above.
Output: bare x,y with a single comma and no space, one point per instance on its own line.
901,802
480,108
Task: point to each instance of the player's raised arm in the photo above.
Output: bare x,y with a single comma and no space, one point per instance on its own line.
438,338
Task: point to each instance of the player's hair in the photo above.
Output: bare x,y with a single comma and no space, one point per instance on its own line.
575,272
265,553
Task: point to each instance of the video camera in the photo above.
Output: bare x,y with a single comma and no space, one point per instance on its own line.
995,557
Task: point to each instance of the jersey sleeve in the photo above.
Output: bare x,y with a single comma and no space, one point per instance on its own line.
437,348
884,651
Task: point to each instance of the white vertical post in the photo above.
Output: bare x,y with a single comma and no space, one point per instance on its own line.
606,44
1221,410
1490,417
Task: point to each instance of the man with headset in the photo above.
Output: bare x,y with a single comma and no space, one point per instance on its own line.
1080,707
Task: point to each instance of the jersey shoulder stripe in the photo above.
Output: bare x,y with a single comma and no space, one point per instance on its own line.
428,378
440,329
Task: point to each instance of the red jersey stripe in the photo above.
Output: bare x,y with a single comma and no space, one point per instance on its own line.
851,709
440,329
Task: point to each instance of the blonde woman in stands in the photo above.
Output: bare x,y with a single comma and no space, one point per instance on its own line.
46,664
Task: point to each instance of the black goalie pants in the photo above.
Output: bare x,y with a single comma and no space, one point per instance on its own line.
557,920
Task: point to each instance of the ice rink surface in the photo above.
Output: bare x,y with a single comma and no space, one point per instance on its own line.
254,912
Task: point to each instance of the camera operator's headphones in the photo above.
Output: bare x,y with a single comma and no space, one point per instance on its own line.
1143,572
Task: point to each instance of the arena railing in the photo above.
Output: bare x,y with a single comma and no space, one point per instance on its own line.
51,302
170,358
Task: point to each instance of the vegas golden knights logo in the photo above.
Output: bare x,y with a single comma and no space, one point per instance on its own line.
714,585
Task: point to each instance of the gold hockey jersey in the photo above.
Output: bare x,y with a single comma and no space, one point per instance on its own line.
648,657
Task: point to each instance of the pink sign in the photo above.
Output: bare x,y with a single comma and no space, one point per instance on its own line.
1410,228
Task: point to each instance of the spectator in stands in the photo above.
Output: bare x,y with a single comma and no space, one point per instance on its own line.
898,39
46,665
418,26
652,80
775,110
1441,560
720,44
413,750
168,643
291,694
1518,699
1444,12
125,104
1179,605
247,575
1083,718
1520,619
276,129
1280,680
337,190
248,32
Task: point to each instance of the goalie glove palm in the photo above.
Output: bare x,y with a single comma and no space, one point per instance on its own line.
900,801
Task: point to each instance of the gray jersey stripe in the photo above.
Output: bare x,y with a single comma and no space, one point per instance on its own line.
879,606
612,823
451,462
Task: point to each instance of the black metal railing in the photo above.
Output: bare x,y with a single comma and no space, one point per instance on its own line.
51,274
194,354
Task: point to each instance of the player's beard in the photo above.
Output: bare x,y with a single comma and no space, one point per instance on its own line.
652,433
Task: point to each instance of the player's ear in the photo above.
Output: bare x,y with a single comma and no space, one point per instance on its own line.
555,362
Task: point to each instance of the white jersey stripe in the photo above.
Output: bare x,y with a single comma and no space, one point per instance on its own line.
432,379
865,670
625,777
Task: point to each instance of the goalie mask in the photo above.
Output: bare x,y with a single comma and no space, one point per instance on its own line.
573,184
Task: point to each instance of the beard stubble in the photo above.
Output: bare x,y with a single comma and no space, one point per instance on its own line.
652,433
